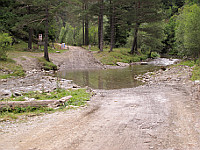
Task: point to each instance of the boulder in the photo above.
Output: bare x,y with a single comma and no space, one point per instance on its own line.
121,64
144,63
5,93
17,93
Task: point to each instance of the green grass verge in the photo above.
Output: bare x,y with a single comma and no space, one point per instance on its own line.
79,98
46,65
21,46
11,69
118,55
196,69
189,63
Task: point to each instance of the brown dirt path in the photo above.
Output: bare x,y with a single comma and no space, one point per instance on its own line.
76,58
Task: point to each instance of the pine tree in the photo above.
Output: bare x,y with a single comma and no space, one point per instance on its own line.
48,9
139,12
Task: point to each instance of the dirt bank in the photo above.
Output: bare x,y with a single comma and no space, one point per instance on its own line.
76,58
37,80
162,115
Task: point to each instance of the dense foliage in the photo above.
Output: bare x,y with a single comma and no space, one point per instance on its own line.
5,41
188,30
165,26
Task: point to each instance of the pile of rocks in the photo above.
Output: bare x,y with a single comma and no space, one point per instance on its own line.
171,74
175,75
34,81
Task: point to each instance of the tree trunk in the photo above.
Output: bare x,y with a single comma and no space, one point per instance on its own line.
74,35
83,26
99,30
46,55
134,47
53,46
30,40
86,26
36,103
101,26
112,26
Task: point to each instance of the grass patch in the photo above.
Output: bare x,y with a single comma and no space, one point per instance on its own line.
11,69
46,65
196,69
22,46
189,63
79,98
118,55
12,114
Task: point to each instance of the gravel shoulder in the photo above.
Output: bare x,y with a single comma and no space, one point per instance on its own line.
161,115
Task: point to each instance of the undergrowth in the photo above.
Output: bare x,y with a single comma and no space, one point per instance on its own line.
9,68
118,55
196,68
46,65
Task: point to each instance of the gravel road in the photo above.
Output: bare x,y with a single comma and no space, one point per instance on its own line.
158,116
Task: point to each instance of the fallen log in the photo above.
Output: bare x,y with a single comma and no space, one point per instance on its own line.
35,103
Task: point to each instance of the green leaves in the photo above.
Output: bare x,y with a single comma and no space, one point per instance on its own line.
188,30
5,41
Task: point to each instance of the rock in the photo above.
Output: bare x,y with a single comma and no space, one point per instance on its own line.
4,80
63,80
121,64
46,91
57,51
65,99
29,99
5,93
135,63
197,82
72,106
76,86
144,63
17,93
34,70
163,68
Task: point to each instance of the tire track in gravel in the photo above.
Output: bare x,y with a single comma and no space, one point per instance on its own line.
143,118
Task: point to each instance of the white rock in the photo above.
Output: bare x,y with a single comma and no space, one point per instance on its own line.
121,64
5,93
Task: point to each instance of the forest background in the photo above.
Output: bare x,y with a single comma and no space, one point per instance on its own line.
150,27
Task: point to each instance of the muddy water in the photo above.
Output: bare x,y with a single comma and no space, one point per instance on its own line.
108,79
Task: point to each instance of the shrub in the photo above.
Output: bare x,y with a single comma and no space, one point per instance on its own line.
155,55
5,41
47,65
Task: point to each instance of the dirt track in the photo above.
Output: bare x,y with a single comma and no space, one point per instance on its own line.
158,117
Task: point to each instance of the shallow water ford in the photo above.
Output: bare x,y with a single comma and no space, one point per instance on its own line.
109,78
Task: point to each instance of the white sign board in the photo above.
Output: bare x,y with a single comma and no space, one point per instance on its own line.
40,37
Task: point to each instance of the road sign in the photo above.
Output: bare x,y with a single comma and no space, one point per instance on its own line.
40,37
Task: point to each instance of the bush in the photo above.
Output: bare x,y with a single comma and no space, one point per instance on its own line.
47,65
5,41
155,55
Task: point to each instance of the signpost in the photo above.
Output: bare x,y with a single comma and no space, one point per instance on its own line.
40,43
40,37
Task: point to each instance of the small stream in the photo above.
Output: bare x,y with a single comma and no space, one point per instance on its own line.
114,78
109,78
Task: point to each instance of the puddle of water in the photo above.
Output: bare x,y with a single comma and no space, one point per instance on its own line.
108,79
